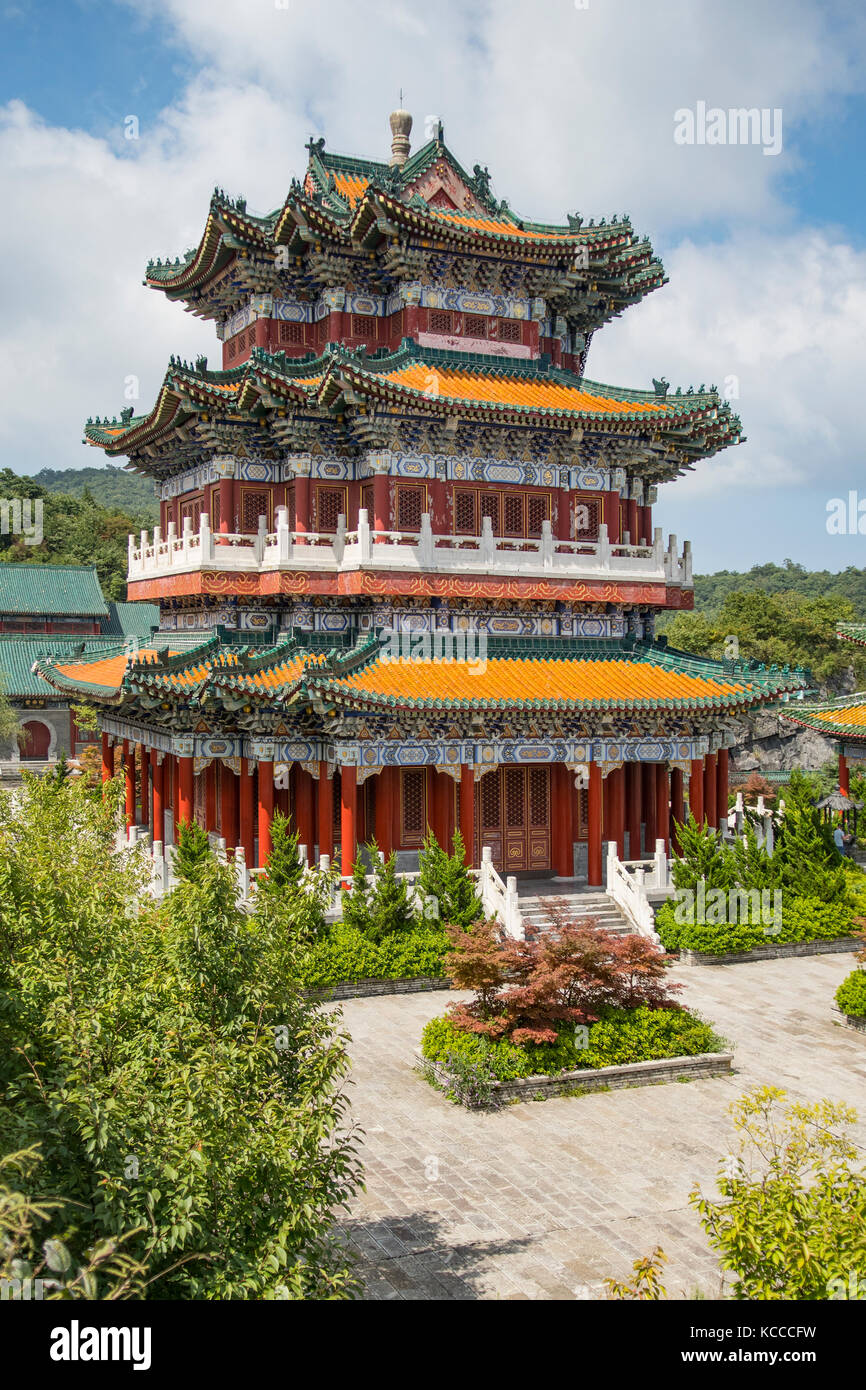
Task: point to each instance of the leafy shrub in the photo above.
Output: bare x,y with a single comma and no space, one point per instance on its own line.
851,994
803,919
345,955
446,878
192,850
468,1081
619,1037
390,909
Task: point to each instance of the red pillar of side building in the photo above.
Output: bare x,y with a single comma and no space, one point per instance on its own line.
594,797
157,816
633,796
304,818
348,821
266,810
696,790
107,759
722,785
467,811
185,811
663,805
710,789
246,812
844,776
326,811
677,804
562,844
129,781
228,806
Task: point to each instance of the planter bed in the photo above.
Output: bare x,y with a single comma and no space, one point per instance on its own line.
363,989
786,948
855,1021
585,1080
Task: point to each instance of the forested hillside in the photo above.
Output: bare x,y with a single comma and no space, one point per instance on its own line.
110,486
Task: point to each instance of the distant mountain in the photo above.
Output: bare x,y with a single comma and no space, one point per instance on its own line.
711,590
110,486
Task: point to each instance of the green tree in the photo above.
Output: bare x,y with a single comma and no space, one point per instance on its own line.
702,855
357,905
791,1217
284,867
447,878
184,1094
390,909
192,850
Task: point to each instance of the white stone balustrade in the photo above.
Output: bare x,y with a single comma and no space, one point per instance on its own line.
633,883
544,557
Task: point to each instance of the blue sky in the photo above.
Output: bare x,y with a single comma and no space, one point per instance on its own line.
766,256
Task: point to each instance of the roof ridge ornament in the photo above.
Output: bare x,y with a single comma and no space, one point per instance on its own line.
400,122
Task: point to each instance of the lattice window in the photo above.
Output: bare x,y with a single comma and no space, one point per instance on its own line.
368,495
291,332
336,819
215,509
255,504
587,515
475,326
583,814
410,506
364,326
509,331
490,507
537,511
514,798
330,503
324,328
512,514
441,321
464,514
231,349
193,511
539,798
490,809
414,785
290,505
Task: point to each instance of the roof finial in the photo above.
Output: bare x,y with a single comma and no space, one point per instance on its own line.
401,126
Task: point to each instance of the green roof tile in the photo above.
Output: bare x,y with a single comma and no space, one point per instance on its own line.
68,590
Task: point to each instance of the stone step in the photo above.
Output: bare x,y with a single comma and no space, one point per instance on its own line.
596,905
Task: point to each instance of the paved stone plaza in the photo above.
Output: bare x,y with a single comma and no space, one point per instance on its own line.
544,1200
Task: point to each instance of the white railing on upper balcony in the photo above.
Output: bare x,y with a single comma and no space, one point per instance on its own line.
366,548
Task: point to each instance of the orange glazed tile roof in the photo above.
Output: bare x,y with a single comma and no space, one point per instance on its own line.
500,226
350,186
510,390
108,672
837,719
533,680
272,677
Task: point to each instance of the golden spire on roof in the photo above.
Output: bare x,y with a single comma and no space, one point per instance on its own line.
401,126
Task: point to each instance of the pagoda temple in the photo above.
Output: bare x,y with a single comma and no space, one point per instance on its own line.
406,565
843,720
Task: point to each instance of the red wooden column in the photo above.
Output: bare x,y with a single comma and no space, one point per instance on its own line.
467,811
348,821
266,810
210,798
593,860
305,823
663,830
610,507
303,520
184,790
633,790
677,805
228,806
227,505
144,786
648,778
107,759
381,502
645,523
696,790
617,830
722,786
844,775
247,827
383,812
631,513
157,810
710,789
561,835
326,811
129,782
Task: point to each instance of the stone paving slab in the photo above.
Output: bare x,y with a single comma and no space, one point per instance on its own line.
545,1199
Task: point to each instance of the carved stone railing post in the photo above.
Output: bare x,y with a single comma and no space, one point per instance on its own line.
364,543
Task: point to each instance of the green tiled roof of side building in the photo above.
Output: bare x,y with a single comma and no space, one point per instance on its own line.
47,590
131,620
18,681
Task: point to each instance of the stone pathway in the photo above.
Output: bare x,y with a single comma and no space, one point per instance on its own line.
543,1200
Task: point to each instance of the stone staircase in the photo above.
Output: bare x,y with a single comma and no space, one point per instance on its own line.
586,903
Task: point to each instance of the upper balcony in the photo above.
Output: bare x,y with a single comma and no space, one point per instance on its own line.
546,560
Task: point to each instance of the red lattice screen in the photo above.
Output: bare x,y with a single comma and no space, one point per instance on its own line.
255,504
410,507
413,806
291,333
330,503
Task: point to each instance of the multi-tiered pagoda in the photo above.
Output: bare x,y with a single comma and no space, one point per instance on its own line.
406,564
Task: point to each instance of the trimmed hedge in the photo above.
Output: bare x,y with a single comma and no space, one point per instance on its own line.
803,919
619,1037
345,956
851,994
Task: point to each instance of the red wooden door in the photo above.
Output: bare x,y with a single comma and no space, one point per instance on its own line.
36,741
512,816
